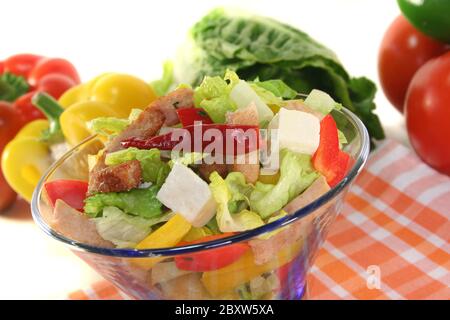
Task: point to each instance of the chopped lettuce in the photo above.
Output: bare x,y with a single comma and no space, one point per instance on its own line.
296,174
213,95
228,222
240,192
138,202
267,96
278,88
342,139
321,102
125,230
163,85
111,126
187,159
154,170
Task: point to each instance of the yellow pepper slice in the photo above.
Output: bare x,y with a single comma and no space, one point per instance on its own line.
168,235
73,120
25,159
223,280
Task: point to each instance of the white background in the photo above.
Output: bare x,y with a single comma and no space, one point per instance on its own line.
136,36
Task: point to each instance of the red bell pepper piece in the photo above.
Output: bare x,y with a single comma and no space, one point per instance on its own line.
239,135
2,67
10,125
212,259
328,159
188,116
72,192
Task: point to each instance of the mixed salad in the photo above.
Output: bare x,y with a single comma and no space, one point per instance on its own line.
145,192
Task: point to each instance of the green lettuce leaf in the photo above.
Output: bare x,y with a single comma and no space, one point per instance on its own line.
154,170
267,96
278,88
262,48
125,230
226,221
111,126
296,174
163,85
240,192
213,95
321,102
137,202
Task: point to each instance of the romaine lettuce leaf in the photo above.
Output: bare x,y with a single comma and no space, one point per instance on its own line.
228,222
111,126
240,192
125,230
296,174
138,202
162,86
262,48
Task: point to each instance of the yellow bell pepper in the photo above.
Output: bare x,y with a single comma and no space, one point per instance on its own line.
26,158
223,280
168,235
108,95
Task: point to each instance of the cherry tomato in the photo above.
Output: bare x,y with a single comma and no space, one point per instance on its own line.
21,64
403,51
428,113
53,65
55,84
28,112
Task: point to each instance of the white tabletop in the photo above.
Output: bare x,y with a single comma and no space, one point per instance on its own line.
135,37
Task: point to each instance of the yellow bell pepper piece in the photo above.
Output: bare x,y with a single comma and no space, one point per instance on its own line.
26,158
123,92
197,233
223,280
73,120
168,235
108,95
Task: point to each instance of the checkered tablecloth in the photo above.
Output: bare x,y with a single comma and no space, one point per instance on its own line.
390,242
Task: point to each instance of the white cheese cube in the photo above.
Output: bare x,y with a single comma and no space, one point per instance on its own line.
297,130
243,95
186,193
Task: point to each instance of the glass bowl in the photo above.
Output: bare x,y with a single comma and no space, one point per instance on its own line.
282,252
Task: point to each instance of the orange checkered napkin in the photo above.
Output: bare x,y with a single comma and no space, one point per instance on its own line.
390,242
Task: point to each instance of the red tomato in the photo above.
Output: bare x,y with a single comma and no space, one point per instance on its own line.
28,112
428,113
2,67
53,65
55,84
212,259
403,51
72,192
21,64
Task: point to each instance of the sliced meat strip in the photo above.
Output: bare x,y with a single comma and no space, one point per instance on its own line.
158,113
314,191
300,106
178,99
76,226
245,116
121,177
205,170
248,165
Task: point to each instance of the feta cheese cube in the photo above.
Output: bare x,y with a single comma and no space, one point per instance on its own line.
186,193
297,130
